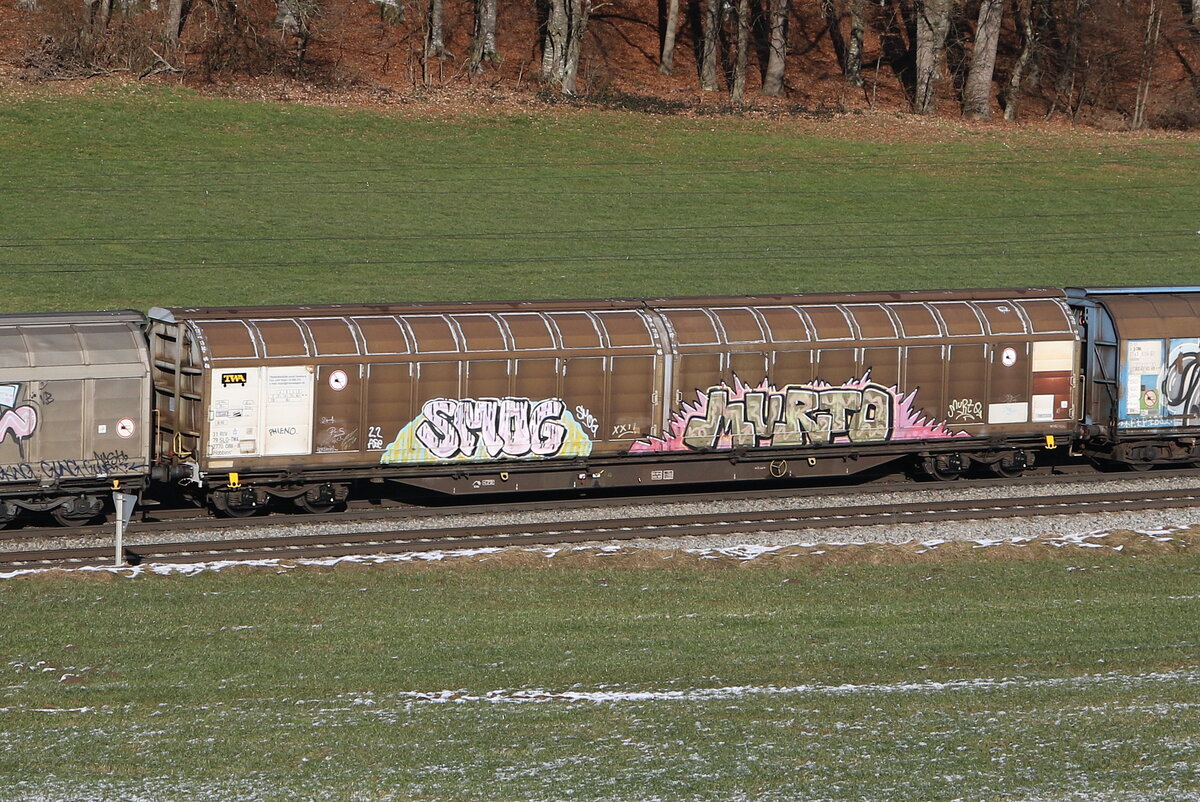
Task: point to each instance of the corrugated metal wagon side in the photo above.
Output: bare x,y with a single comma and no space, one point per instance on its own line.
74,412
821,385
295,402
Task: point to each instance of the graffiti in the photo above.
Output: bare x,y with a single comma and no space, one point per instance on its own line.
18,421
965,409
586,419
862,411
1181,387
626,430
374,437
489,428
101,463
333,439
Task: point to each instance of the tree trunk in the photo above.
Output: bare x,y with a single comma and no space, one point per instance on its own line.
712,39
565,26
1023,9
103,12
977,93
854,47
435,35
667,63
288,17
1191,17
738,89
833,24
777,60
1064,86
933,23
483,43
173,22
1149,51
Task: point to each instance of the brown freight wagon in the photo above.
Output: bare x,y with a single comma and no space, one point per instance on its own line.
297,401
74,412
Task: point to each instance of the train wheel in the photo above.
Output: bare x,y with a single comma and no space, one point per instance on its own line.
1010,466
77,511
323,500
237,503
944,467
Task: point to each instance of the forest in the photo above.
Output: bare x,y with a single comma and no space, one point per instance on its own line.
1115,64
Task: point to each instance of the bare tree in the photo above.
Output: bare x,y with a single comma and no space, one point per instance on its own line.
483,43
289,17
1023,10
667,62
1149,51
435,31
1064,87
777,58
933,23
847,51
174,22
854,47
712,44
566,22
1191,15
833,24
977,93
737,90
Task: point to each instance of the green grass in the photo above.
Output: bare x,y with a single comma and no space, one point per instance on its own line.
1066,676
134,197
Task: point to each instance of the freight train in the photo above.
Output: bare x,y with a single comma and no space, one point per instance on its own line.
244,407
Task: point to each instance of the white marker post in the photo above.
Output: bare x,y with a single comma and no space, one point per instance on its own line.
124,502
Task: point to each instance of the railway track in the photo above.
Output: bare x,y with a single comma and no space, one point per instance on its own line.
154,520
343,544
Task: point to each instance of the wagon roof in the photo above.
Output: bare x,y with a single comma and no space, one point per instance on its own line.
175,314
1141,313
73,318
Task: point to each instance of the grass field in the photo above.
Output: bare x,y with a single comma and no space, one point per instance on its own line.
1072,677
140,196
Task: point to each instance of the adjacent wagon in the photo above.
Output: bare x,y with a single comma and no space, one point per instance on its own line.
74,412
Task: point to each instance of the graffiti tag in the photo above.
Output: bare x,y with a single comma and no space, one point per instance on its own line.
859,411
18,421
489,428
795,415
101,463
965,409
514,427
586,419
626,430
1181,387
